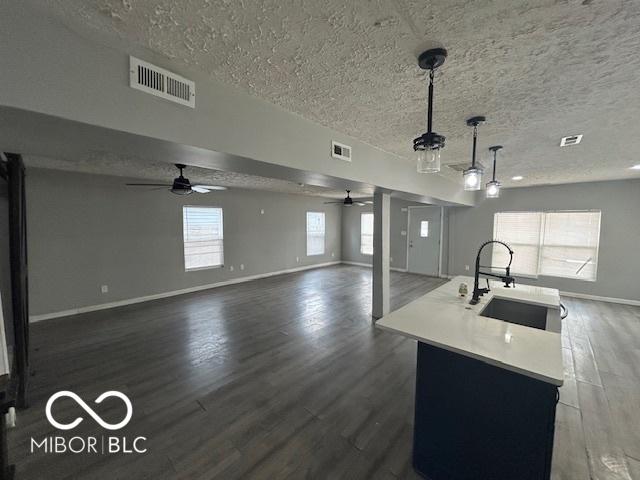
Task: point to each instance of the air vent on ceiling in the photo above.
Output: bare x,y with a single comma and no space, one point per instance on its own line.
461,167
340,151
161,83
571,140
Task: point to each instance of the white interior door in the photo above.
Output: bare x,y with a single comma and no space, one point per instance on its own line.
423,240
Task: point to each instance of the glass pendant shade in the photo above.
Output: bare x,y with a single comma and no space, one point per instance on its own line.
472,178
428,161
493,189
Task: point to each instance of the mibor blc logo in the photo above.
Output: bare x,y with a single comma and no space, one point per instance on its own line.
101,444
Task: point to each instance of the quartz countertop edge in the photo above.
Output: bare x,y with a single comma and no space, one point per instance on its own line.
445,320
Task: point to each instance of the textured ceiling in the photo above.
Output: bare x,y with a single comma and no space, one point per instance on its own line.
538,69
106,163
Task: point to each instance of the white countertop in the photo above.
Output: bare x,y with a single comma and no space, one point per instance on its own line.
443,319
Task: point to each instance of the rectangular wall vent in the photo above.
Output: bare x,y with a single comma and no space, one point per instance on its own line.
571,140
341,151
161,83
461,167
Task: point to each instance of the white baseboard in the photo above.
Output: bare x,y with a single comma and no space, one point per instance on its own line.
368,265
146,298
623,301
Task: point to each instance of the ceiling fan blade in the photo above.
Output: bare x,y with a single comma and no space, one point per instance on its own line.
148,185
199,189
334,203
209,187
368,202
360,204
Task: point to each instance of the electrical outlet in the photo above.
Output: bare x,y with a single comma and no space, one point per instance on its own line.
466,267
231,268
262,211
297,259
332,254
242,266
403,233
104,288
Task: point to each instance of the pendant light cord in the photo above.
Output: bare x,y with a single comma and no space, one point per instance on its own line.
475,138
430,106
495,153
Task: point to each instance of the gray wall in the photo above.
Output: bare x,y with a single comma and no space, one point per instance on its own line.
618,263
90,230
351,233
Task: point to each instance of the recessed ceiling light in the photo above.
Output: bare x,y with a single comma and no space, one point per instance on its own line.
517,178
635,167
570,140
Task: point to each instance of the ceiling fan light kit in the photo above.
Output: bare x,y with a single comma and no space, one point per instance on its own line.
181,185
473,175
349,202
428,145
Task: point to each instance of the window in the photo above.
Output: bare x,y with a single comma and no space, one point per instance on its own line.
521,231
570,245
424,228
366,233
556,244
202,230
315,233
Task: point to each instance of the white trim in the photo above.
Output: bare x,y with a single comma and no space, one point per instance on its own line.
146,298
360,264
585,296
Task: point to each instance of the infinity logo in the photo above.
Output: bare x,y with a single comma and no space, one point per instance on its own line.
89,410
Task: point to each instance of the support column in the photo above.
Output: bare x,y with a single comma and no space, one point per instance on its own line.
381,248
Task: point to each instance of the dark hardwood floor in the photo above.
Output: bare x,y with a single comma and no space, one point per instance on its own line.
285,378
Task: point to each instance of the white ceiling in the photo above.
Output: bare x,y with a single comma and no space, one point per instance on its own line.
106,163
538,69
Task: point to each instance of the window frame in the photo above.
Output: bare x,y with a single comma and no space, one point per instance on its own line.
184,256
423,222
324,233
362,215
541,243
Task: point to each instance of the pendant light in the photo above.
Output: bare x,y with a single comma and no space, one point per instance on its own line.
493,187
428,145
473,175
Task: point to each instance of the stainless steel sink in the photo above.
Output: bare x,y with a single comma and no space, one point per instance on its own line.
521,313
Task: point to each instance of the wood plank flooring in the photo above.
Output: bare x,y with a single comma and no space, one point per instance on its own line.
285,378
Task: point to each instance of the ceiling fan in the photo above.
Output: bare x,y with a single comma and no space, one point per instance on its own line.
349,202
181,185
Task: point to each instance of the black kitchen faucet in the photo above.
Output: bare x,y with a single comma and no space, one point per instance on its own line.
506,278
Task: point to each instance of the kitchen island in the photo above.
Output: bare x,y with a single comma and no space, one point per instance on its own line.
486,381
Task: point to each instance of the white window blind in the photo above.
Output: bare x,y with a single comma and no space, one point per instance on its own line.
366,233
315,233
570,245
559,244
203,237
521,231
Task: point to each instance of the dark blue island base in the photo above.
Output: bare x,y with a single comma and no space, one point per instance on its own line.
475,421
